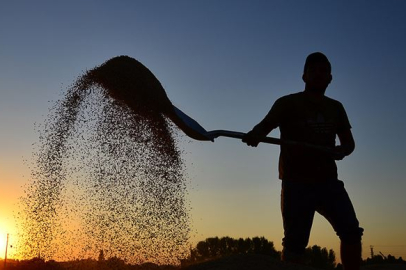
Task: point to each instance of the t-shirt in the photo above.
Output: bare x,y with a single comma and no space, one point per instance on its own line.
302,118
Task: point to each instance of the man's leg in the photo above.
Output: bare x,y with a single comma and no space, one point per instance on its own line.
337,208
297,212
351,255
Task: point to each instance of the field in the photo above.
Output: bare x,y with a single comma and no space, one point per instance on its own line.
263,262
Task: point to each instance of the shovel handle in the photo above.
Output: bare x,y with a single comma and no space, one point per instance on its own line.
239,135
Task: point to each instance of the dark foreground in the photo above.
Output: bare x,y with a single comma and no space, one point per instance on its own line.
233,262
247,262
263,262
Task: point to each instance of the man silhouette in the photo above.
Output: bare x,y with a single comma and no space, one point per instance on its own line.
309,177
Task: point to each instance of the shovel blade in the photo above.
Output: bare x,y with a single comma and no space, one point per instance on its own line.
188,125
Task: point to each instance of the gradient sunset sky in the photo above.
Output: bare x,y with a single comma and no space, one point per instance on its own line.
224,63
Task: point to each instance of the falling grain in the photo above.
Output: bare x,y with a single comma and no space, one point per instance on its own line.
108,174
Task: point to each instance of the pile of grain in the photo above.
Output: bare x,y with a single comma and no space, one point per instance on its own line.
108,174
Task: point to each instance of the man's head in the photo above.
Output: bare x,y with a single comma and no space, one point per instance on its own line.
317,72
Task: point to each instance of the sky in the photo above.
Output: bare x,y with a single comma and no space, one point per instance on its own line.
223,63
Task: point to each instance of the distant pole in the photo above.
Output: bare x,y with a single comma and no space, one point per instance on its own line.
372,252
5,256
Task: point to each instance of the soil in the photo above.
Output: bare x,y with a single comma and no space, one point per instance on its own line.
263,262
247,262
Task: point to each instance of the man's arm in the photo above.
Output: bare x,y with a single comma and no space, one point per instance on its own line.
260,131
270,122
347,144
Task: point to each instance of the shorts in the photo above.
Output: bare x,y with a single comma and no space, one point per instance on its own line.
300,201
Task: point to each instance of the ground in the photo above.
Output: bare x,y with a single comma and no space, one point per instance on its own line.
247,262
263,262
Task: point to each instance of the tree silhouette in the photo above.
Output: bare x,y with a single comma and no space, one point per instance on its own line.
227,246
115,263
320,258
202,250
215,247
379,259
243,246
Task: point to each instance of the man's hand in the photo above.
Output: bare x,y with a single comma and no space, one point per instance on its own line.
346,147
339,153
252,138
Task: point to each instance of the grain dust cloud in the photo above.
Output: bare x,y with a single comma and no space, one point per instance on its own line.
107,173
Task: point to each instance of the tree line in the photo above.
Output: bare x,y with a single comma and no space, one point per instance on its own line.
215,247
315,256
208,249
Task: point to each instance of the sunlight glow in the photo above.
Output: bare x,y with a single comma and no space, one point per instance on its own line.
3,240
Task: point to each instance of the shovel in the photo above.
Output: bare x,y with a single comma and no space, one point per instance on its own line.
194,130
129,81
